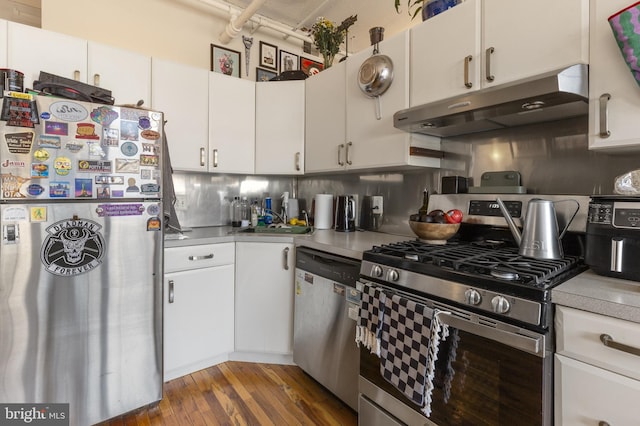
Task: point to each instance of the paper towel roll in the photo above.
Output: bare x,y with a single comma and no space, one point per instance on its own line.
323,215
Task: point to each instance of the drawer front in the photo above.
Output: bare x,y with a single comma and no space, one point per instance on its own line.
200,256
587,395
578,335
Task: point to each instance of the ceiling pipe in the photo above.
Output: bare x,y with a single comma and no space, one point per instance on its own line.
256,19
234,27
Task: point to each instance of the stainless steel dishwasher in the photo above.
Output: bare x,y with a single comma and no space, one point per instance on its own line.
326,307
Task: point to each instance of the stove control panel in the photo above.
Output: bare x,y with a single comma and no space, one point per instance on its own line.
491,208
472,296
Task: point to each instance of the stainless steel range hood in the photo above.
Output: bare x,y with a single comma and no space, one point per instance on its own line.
547,97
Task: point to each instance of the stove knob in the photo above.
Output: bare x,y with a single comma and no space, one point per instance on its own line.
500,305
376,271
472,297
393,275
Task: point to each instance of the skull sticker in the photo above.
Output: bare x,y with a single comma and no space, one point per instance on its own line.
73,247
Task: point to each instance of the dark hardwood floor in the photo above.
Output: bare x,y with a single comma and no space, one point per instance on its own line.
242,393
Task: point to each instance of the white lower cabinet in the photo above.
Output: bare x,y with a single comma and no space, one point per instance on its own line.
198,307
264,298
597,369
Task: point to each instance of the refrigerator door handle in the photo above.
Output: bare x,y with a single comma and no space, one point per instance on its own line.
171,292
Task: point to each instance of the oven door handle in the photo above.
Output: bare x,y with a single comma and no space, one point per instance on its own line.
533,345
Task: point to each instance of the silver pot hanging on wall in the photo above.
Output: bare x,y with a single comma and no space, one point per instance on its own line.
376,73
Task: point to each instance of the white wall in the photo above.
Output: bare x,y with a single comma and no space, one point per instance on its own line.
177,30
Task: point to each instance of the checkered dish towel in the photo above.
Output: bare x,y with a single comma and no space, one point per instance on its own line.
411,335
370,316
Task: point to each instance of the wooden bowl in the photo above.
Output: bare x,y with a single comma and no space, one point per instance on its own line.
434,233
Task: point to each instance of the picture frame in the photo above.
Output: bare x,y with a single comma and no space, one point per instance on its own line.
264,75
268,56
310,67
289,61
226,61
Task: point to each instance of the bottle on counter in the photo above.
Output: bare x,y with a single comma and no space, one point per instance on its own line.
424,209
236,212
244,212
268,215
255,213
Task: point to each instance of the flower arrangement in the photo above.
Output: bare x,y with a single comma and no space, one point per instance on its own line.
327,38
410,4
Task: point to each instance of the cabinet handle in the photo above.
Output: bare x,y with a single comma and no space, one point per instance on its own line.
285,258
76,75
205,257
467,83
340,148
215,158
171,292
202,159
487,63
96,79
604,115
297,161
349,145
609,342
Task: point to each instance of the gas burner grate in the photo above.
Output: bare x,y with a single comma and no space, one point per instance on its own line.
495,262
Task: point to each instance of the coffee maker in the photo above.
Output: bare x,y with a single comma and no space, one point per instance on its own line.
345,219
371,212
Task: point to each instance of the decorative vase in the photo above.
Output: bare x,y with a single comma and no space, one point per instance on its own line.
327,60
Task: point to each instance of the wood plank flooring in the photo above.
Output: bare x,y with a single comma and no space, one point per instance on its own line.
242,393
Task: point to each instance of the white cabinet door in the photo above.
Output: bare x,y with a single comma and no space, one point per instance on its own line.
280,127
127,74
615,127
198,319
232,116
325,110
532,37
3,43
181,92
587,395
32,50
264,297
441,48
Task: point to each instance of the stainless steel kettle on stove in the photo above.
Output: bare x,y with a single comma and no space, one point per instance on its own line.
540,238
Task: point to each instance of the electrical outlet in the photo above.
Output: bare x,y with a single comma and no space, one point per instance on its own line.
181,203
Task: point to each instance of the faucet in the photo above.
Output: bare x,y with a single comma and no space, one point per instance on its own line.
306,218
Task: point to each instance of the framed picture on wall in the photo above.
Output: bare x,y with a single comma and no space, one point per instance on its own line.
225,61
309,66
264,75
288,61
268,56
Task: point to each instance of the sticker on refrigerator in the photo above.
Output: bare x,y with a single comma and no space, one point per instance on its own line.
15,214
68,111
124,165
132,187
86,131
150,188
72,247
150,148
38,214
129,149
151,135
95,150
49,141
19,112
73,147
154,224
84,188
41,154
149,160
94,166
62,165
120,209
144,123
10,234
11,185
104,192
153,209
110,137
56,128
35,190
104,116
19,143
110,180
13,164
39,171
59,189
129,130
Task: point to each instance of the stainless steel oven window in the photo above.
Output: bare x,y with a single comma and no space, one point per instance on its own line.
484,374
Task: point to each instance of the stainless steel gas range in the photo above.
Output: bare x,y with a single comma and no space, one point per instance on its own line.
494,364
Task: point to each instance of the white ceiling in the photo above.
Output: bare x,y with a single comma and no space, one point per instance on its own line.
371,13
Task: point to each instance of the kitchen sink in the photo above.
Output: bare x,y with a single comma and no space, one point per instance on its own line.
277,230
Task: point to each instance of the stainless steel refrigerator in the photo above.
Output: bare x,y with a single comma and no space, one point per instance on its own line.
80,256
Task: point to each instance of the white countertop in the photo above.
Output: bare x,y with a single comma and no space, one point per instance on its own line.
348,244
599,294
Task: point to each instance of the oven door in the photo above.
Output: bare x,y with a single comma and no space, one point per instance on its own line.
487,373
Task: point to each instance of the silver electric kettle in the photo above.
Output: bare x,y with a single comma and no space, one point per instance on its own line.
540,238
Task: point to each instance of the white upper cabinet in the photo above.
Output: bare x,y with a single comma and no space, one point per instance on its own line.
31,50
3,43
326,112
483,43
614,95
232,118
127,74
185,111
280,127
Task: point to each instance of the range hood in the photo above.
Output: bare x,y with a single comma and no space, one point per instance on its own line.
547,97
